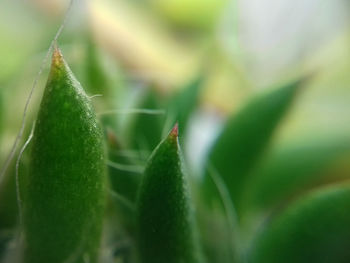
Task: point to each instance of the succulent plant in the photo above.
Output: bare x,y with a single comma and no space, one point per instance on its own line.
97,189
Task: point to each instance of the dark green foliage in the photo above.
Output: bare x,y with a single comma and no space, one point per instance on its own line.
125,175
293,169
64,197
165,223
8,210
95,78
145,130
245,137
314,229
8,207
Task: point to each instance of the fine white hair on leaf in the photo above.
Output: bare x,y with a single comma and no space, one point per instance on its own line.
94,96
131,154
19,235
125,167
133,111
123,200
18,192
29,98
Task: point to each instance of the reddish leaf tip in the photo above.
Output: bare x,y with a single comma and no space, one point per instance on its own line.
57,57
175,130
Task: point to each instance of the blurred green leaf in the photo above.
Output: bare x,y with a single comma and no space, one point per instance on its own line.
145,130
125,175
18,23
8,201
185,102
2,108
314,229
295,168
190,14
95,79
216,236
8,210
103,77
245,137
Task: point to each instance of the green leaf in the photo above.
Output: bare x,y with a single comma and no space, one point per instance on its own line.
245,137
125,174
165,220
8,197
8,207
95,78
1,115
290,170
8,203
125,178
64,197
314,229
8,210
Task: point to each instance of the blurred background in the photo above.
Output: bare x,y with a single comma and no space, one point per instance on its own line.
143,53
242,46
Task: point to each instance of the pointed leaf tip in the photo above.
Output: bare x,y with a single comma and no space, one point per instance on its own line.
166,225
175,131
65,113
57,57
